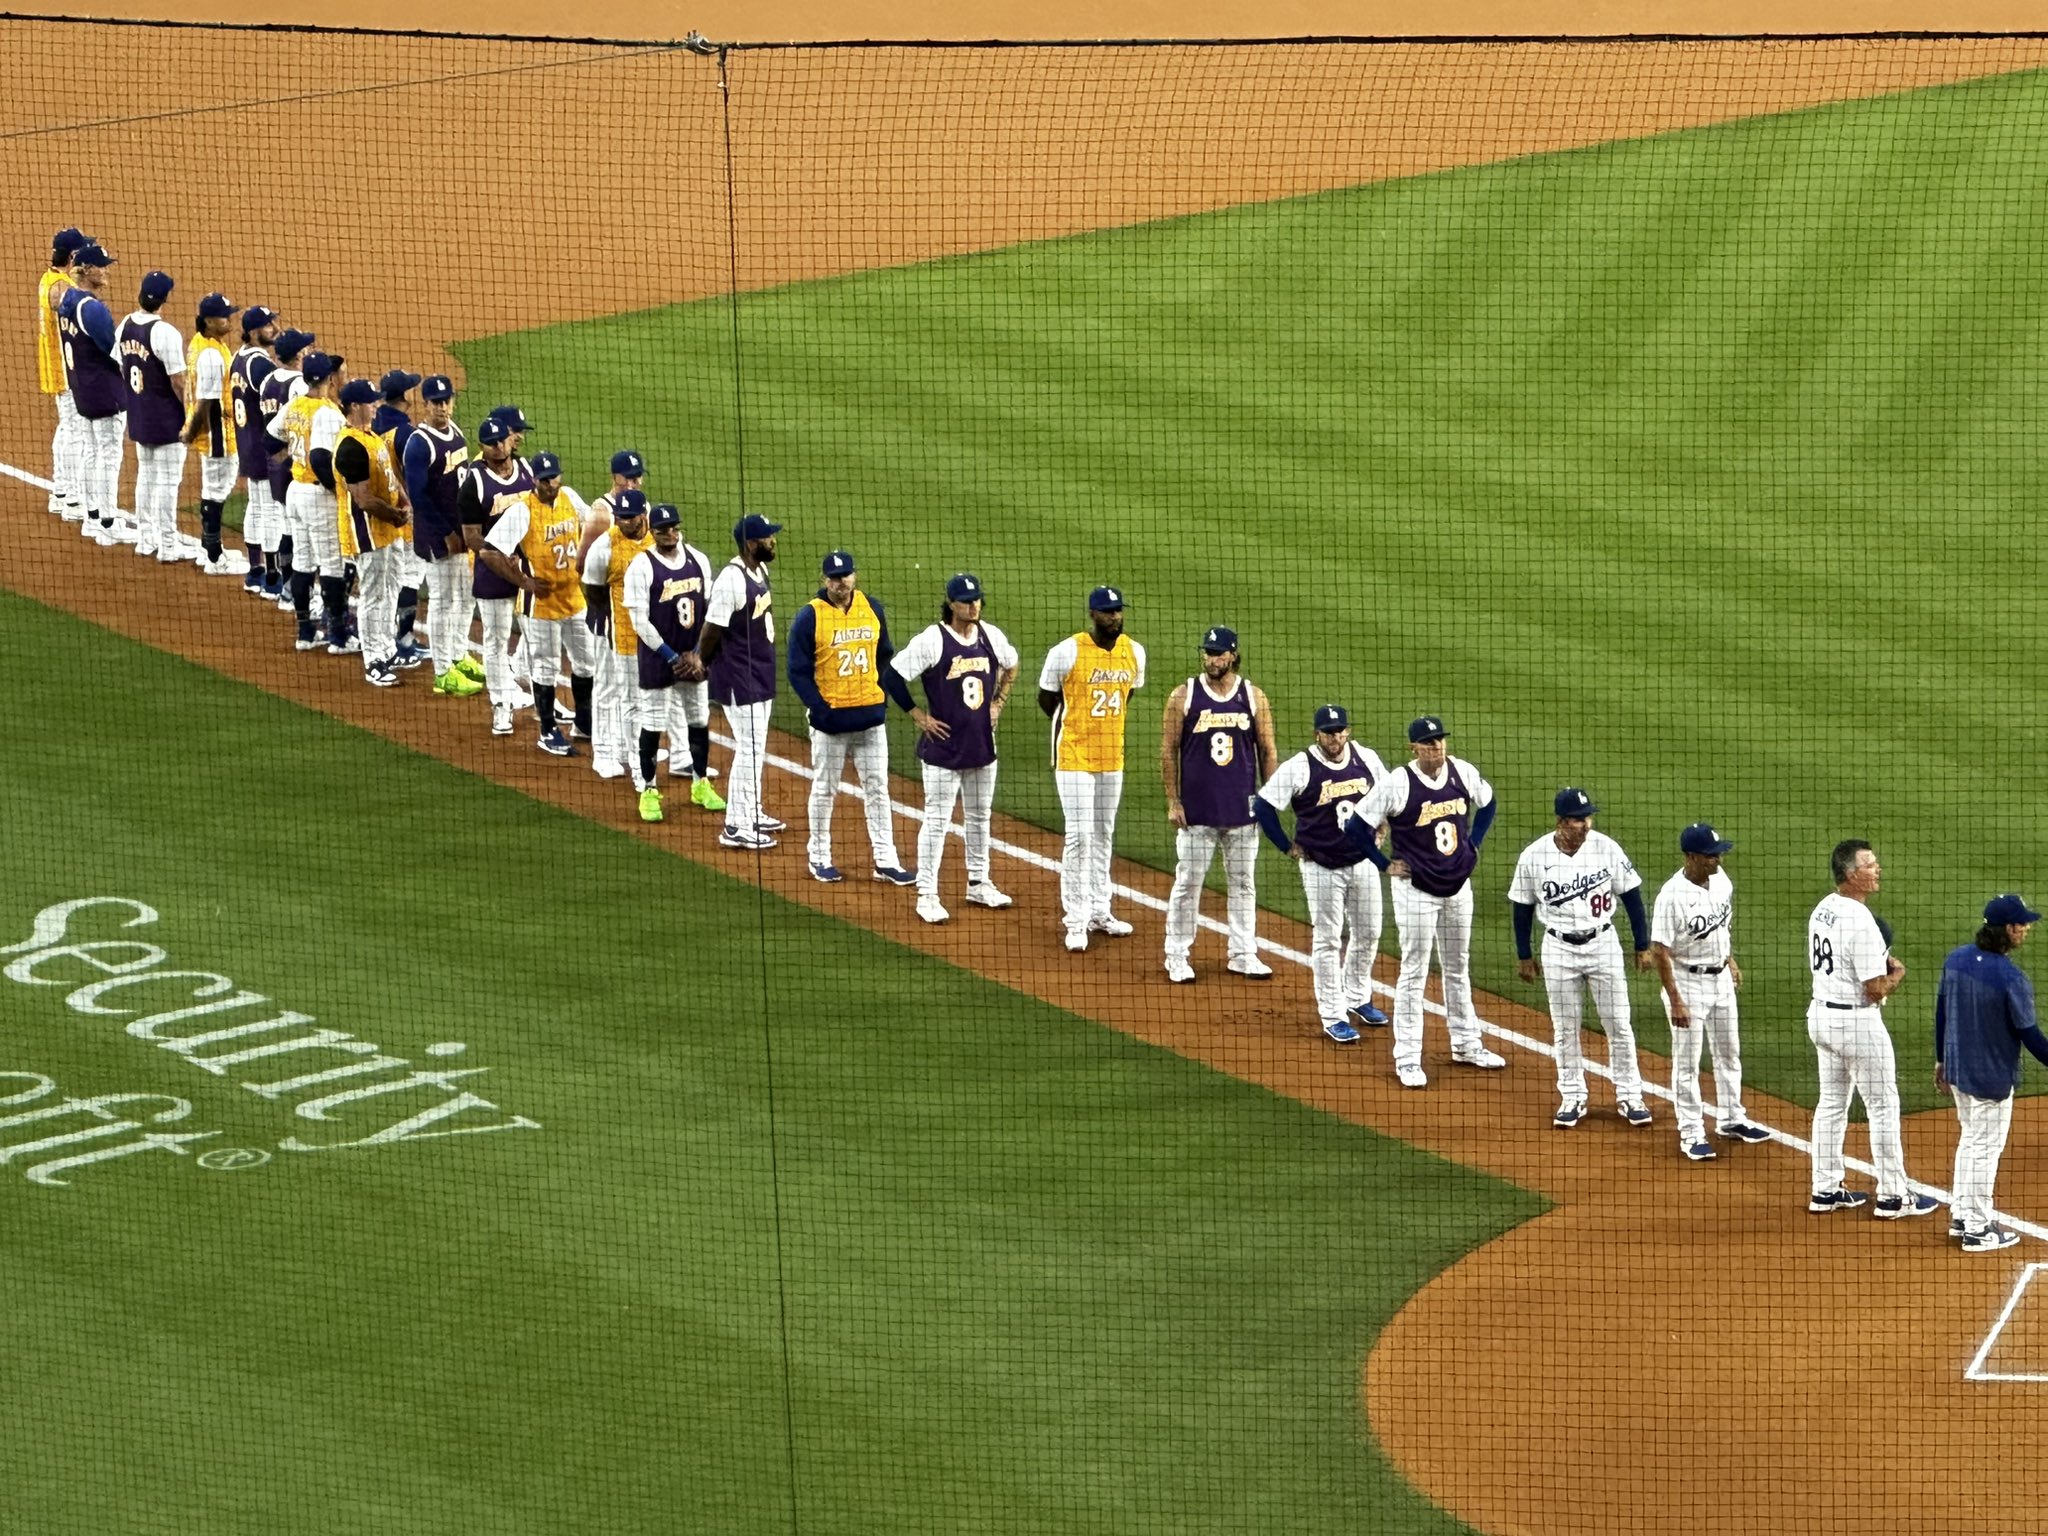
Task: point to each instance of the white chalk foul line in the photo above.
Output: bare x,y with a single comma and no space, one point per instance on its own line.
1210,925
1976,1370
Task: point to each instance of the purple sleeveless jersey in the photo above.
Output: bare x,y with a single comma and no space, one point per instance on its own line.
94,377
743,671
1326,804
252,365
438,517
676,598
1419,835
957,689
277,391
483,581
1219,757
155,416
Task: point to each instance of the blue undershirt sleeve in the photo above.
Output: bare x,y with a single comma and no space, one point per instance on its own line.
1525,929
1638,919
1483,820
1269,823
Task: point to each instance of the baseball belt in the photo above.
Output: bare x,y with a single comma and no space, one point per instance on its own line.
1579,938
1708,970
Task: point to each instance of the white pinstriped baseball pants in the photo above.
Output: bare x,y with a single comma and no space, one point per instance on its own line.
1195,849
1337,899
1570,971
1711,1002
65,445
159,468
1442,924
1090,801
99,464
869,750
449,606
1855,1057
749,726
975,789
1985,1124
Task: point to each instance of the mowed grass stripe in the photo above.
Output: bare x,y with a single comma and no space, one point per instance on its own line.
1036,1271
1686,469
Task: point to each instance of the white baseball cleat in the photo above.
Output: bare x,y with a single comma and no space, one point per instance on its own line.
1178,969
1252,966
1115,927
146,548
224,566
982,894
930,910
1412,1077
1077,939
1479,1056
501,719
608,768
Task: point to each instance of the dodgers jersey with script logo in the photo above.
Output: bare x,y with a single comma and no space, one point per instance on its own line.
1576,892
1844,949
1695,922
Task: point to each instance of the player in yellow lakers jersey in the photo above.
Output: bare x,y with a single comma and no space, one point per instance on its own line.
210,427
543,527
1086,686
610,556
310,427
838,646
65,499
374,522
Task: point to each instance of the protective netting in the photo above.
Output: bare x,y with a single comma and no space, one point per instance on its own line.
456,1079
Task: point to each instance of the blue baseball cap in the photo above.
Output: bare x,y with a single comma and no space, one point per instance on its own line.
92,254
838,563
320,365
216,306
1574,804
631,502
396,383
1701,838
67,241
358,392
2001,910
964,588
291,343
546,466
628,464
1106,600
511,416
492,430
663,514
1220,638
753,526
255,317
437,387
1427,728
1333,717
157,286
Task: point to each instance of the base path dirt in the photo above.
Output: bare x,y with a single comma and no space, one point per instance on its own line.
1683,1330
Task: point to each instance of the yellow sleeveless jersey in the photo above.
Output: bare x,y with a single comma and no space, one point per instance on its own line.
49,345
195,349
553,536
384,485
845,652
625,640
293,426
1091,733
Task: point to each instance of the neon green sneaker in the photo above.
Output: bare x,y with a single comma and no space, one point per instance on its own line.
650,804
470,668
457,684
701,793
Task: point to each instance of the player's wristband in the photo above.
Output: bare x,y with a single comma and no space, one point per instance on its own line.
668,654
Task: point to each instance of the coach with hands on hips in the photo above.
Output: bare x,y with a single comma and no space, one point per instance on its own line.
1983,1014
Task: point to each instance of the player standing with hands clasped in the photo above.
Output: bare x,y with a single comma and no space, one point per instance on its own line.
968,668
1439,808
1084,688
1983,1014
1215,748
1326,784
1854,971
1692,939
1572,877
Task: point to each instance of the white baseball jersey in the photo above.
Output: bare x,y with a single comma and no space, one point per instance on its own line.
1695,922
1844,949
1573,892
210,377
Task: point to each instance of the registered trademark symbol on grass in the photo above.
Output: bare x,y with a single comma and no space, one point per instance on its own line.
228,1159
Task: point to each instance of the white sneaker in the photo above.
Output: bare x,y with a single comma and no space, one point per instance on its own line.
1252,966
1178,969
184,547
1479,1056
522,699
285,603
930,910
72,512
608,768
1412,1077
104,537
227,565
1077,939
982,894
501,719
171,554
124,530
1115,927
145,548
90,528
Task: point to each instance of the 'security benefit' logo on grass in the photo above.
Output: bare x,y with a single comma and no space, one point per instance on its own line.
275,1057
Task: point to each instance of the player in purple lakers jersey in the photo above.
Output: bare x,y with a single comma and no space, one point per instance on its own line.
87,329
210,427
667,590
284,384
394,424
496,474
152,358
968,668
1215,749
1439,808
1324,786
251,365
435,453
738,648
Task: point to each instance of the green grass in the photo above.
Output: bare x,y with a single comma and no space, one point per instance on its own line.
1035,1276
1694,470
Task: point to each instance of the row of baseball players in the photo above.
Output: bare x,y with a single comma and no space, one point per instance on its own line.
342,479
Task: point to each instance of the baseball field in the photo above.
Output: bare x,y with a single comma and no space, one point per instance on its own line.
574,1174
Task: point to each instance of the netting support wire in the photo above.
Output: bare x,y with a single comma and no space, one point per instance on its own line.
732,267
